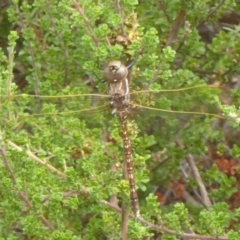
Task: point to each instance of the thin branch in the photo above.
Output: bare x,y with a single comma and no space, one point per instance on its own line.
25,199
199,197
199,181
163,8
155,76
189,198
67,194
58,34
14,181
213,11
46,223
108,42
125,214
33,156
7,165
31,51
125,221
60,38
37,159
178,22
86,20
119,9
187,30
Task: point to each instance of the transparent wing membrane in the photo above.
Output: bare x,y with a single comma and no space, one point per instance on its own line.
195,101
158,111
37,106
155,102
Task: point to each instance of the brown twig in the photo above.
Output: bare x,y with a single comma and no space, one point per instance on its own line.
187,30
46,223
7,165
197,177
86,20
37,159
107,41
155,76
196,194
212,12
31,51
14,181
178,22
119,9
67,194
60,38
163,8
24,197
125,214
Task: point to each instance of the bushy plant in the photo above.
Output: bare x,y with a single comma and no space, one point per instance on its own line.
62,154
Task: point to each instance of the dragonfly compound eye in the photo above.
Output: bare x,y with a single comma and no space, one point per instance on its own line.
115,71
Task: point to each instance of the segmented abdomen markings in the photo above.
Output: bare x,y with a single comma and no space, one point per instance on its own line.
131,179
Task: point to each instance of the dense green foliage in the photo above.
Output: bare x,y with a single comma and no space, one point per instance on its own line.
62,154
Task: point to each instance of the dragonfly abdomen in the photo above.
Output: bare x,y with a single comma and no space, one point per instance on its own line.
130,170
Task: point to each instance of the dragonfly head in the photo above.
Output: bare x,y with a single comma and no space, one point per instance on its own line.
115,71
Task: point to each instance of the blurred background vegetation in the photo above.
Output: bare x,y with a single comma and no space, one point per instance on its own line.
62,155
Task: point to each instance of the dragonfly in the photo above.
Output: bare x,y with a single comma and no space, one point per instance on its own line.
119,97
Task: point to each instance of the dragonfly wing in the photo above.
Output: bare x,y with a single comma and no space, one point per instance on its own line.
42,106
183,116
